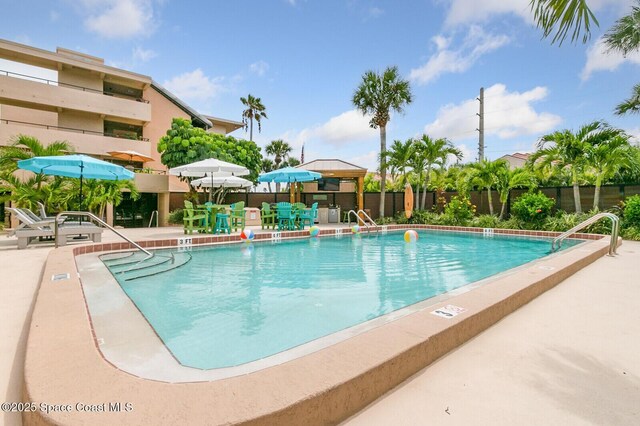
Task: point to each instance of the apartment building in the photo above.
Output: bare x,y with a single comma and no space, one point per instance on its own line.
98,109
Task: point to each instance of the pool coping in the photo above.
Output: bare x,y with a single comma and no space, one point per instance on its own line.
64,366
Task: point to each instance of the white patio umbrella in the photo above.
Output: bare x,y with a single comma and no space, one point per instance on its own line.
215,181
209,167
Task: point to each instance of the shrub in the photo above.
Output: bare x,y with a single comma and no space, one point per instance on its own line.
632,211
631,233
425,217
485,221
458,211
176,217
512,223
532,208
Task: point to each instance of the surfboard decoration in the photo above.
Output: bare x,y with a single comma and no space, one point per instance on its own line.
408,201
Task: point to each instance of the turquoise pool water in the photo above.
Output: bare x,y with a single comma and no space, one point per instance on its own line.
238,303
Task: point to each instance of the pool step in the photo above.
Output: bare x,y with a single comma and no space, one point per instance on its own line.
179,259
141,263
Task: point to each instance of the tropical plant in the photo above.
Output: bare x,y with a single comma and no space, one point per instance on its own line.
176,217
569,150
378,95
459,210
398,159
607,158
254,112
434,152
280,151
26,192
632,211
563,16
267,166
371,184
631,104
484,174
98,194
532,208
507,179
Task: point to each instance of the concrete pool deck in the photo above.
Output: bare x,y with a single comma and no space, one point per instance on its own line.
22,266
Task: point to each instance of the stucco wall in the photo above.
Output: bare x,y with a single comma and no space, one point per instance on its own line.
81,120
14,113
78,77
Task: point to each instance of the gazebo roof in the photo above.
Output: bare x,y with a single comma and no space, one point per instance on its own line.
334,168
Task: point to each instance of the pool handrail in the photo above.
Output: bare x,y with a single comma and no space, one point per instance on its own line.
615,230
101,223
360,219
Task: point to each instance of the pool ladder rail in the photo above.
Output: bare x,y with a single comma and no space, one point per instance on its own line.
148,254
615,230
360,220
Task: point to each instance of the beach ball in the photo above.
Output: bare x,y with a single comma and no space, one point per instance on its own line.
314,231
410,236
355,229
247,235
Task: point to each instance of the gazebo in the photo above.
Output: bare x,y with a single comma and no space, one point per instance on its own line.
332,168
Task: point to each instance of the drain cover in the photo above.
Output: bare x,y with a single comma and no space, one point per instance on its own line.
60,277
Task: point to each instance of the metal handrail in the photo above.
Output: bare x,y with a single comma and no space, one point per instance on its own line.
101,222
615,229
359,219
153,213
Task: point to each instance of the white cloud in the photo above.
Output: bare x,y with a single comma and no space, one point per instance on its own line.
369,161
375,12
348,127
260,68
119,18
507,115
471,11
143,55
598,59
195,85
476,44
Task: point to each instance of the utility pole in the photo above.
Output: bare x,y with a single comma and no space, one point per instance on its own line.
480,128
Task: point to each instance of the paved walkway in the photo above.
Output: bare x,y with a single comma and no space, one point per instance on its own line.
569,357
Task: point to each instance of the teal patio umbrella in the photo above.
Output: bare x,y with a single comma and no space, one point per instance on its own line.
76,166
289,175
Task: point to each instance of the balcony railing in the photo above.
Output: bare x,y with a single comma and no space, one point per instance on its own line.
71,129
72,86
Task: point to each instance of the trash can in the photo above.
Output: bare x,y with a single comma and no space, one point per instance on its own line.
334,215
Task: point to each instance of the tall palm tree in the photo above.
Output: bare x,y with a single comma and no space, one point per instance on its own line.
607,158
254,111
418,165
378,95
624,36
485,175
569,150
435,152
398,159
280,151
508,179
267,166
563,16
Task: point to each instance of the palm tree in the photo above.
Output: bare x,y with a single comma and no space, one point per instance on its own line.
485,175
267,166
435,153
378,95
508,179
254,111
26,192
418,165
607,158
624,36
398,159
632,104
569,150
280,150
566,15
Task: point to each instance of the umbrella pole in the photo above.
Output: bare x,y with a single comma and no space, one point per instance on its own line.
80,236
292,193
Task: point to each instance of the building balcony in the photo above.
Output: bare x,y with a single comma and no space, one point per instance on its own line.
84,142
46,95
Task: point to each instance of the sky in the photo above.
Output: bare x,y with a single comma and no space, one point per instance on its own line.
305,58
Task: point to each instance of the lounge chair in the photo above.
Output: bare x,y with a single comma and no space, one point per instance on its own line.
267,216
43,212
31,229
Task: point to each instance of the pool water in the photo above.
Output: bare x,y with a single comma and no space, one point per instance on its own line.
233,304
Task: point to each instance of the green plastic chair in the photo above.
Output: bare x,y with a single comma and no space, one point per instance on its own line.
237,216
194,219
308,216
267,217
286,216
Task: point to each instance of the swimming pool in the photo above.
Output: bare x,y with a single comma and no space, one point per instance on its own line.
233,304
